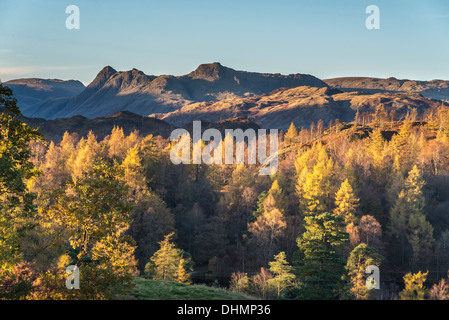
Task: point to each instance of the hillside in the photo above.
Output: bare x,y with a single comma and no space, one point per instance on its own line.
101,127
434,89
32,91
167,290
301,105
53,130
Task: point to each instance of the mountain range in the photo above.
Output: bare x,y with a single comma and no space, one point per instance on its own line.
112,91
212,93
32,92
434,89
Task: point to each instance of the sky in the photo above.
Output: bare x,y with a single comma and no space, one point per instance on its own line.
325,38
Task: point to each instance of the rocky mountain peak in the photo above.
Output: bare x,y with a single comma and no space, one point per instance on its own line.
210,72
102,77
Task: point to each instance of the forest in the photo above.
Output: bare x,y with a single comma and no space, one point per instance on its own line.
346,196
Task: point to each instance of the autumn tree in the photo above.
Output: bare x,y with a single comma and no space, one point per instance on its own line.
169,263
280,200
408,222
317,188
260,204
370,231
434,156
380,116
360,258
16,201
16,283
68,152
305,161
346,202
260,284
231,207
117,144
414,286
400,148
182,276
239,282
96,215
87,151
291,135
267,229
439,291
54,175
376,149
133,174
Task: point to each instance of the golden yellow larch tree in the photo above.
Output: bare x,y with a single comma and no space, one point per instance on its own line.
182,276
86,153
414,286
317,188
133,173
117,144
291,135
346,202
168,262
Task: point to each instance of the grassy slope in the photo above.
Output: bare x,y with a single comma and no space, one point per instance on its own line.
164,290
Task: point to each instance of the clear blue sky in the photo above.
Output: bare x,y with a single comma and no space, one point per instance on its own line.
326,38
